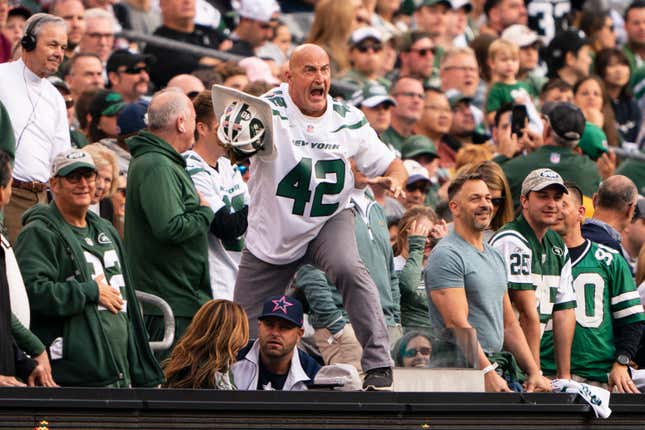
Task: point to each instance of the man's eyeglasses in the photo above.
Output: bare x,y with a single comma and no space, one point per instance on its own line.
410,94
100,35
412,352
424,51
363,49
462,68
418,186
497,201
135,70
76,176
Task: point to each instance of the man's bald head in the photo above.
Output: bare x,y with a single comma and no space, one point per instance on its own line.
617,192
306,52
165,107
309,77
186,83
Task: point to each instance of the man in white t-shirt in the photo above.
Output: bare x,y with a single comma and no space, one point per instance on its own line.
299,208
38,113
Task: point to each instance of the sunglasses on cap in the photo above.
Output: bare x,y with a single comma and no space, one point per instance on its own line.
412,352
363,49
69,102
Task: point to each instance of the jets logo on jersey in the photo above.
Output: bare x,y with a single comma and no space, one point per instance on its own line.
103,239
557,251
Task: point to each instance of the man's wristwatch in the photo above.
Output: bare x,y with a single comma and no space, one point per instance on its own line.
623,359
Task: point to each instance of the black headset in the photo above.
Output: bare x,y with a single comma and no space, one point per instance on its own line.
28,41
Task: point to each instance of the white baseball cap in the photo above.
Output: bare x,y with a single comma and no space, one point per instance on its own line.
258,10
416,172
520,35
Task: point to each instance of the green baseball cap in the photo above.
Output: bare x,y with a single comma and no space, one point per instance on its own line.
418,145
106,103
73,159
455,97
593,141
372,95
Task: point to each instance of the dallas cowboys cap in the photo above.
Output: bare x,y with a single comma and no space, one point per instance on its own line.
539,179
285,307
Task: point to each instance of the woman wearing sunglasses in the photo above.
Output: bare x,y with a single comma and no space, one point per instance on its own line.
419,231
414,349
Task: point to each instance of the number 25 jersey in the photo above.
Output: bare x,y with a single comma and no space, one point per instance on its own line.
310,179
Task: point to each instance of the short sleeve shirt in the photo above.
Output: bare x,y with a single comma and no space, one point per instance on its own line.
455,263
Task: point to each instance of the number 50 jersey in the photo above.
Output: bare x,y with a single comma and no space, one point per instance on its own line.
607,300
310,178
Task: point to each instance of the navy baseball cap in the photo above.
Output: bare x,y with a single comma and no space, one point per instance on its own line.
132,118
284,307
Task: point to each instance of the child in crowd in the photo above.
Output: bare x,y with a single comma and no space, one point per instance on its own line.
504,61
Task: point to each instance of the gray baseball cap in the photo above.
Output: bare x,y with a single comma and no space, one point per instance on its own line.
372,95
539,179
72,159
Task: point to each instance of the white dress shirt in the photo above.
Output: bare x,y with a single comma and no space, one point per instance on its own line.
39,119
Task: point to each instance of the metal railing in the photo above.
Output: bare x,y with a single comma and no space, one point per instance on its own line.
168,319
337,87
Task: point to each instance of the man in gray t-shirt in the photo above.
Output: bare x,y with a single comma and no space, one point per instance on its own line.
455,263
466,282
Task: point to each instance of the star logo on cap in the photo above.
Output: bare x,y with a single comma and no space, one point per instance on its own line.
281,305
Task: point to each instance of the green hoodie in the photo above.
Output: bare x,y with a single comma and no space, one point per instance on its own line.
166,228
63,299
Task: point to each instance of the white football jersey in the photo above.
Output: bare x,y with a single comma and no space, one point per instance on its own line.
221,187
310,179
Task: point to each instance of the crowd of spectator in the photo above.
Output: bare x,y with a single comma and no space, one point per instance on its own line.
325,183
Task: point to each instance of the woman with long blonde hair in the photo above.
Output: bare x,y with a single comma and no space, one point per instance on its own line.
204,355
332,26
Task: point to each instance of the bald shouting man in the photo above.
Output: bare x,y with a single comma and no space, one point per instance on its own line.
299,204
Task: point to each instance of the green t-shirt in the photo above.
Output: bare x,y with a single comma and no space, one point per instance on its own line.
500,94
543,267
102,258
392,139
607,299
634,170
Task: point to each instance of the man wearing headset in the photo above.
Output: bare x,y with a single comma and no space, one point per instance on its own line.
37,112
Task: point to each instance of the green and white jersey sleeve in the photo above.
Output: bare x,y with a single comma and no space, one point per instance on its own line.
222,188
310,180
518,255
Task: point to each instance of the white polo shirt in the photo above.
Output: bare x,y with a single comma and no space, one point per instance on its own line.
38,117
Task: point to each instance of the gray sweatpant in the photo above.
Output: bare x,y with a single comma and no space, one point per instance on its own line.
334,252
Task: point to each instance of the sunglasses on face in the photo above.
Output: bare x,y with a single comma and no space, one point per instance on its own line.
497,201
69,102
135,70
363,49
418,186
76,176
412,352
424,51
